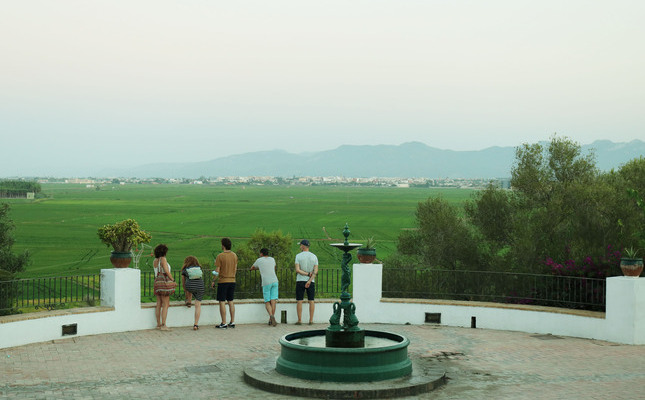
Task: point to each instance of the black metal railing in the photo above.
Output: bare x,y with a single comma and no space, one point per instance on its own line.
249,284
501,287
49,293
414,282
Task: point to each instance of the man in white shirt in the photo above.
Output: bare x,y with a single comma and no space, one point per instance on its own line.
266,265
306,271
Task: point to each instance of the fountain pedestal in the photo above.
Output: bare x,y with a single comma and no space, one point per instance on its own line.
347,334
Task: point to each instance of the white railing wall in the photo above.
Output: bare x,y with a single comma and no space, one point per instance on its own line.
121,310
623,322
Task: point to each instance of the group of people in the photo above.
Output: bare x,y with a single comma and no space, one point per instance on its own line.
306,268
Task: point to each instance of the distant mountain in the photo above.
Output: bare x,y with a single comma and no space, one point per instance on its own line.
412,159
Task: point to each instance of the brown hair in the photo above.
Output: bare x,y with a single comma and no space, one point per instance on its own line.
226,242
190,261
161,250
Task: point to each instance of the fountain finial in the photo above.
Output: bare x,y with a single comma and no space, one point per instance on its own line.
346,234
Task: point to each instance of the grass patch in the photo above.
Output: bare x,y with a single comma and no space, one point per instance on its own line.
60,231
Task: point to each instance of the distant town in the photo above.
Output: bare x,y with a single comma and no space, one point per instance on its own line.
294,181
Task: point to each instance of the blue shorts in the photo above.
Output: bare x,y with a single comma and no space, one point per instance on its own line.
270,291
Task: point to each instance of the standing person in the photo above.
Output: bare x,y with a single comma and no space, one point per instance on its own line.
226,267
161,266
306,271
191,276
266,265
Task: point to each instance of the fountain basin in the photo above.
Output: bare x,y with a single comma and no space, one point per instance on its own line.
304,356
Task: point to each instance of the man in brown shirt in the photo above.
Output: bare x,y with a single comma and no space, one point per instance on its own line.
226,267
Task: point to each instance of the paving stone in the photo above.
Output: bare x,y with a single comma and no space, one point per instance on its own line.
209,363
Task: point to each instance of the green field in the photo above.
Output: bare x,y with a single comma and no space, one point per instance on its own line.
60,231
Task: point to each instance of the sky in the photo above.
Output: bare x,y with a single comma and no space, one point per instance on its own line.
86,85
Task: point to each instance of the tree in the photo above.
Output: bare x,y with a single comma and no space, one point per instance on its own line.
633,172
631,179
17,188
491,213
541,173
279,247
560,207
442,239
9,262
564,206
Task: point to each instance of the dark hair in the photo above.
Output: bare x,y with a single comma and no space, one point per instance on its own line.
264,251
161,250
226,242
191,261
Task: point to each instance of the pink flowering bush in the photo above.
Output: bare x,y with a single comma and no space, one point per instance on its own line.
600,267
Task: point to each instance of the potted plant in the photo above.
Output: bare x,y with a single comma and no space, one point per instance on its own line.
367,253
631,264
122,236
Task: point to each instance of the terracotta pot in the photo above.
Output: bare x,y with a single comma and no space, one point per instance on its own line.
366,256
631,266
120,260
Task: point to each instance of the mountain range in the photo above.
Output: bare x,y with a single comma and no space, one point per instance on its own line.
410,160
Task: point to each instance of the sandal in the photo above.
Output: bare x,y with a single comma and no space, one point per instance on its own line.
164,328
188,304
195,327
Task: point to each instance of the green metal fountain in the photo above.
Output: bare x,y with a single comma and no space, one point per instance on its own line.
348,334
347,353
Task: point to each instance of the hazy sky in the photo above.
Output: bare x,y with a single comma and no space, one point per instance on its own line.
88,84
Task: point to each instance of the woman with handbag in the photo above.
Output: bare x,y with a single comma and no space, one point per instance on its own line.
164,285
191,276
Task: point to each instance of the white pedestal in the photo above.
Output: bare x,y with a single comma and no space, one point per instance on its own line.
121,288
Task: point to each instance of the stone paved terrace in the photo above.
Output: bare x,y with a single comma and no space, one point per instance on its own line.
208,364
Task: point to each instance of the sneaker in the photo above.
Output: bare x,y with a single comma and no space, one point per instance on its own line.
222,326
231,325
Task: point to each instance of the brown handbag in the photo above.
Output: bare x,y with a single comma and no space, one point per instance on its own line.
164,286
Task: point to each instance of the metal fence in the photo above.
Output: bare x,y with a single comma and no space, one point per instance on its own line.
49,293
500,287
414,282
248,284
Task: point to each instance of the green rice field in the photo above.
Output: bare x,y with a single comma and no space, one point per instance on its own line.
60,230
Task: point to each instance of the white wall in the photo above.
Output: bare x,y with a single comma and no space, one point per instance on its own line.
624,321
625,310
121,310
